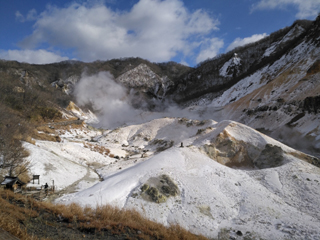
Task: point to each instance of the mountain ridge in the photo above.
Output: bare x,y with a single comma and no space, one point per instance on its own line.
186,146
287,53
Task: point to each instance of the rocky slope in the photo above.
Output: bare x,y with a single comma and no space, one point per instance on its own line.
279,97
221,72
137,73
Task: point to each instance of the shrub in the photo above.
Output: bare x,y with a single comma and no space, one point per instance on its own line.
49,113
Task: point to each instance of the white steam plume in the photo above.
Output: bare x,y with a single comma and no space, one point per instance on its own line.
112,103
108,99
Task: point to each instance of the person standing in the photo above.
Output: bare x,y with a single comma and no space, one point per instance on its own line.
46,186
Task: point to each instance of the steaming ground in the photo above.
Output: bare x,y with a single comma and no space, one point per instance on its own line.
115,106
109,99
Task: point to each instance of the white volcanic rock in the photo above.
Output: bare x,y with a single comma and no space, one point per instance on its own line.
88,117
231,67
275,202
143,77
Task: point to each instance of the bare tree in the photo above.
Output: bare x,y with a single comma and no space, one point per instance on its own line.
12,154
13,158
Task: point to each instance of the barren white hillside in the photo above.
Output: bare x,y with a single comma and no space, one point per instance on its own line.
226,179
276,98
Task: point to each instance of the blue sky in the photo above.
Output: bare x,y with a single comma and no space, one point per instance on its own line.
185,31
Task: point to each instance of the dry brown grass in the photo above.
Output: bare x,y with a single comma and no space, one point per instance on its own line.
17,210
97,148
30,140
45,129
109,217
68,119
45,137
12,215
66,125
307,158
73,125
72,106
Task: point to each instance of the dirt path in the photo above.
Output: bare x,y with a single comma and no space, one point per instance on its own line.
63,123
73,187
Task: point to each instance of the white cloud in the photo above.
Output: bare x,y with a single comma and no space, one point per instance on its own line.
306,8
153,29
31,16
243,41
209,49
19,16
32,56
184,63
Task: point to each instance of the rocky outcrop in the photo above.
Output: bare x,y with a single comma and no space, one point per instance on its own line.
88,116
235,153
271,156
162,144
232,68
159,189
231,152
145,80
